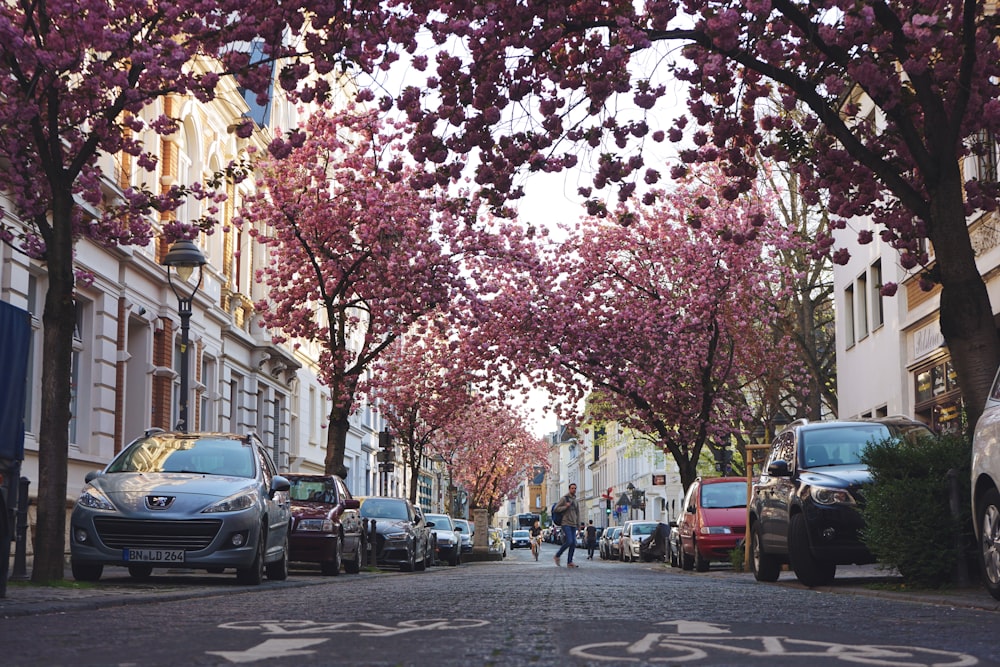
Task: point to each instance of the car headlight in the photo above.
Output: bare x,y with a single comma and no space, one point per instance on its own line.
94,499
317,525
716,530
395,537
234,503
825,496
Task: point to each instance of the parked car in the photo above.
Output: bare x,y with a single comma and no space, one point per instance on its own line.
521,539
208,501
448,544
632,534
497,542
466,534
326,525
713,520
428,536
986,489
805,506
604,544
654,547
674,545
399,538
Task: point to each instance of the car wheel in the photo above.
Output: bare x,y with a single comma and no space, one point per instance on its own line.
354,566
687,562
809,570
765,566
87,571
253,575
140,571
989,541
278,570
331,568
700,562
410,563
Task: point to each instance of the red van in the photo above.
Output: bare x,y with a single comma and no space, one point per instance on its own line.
713,522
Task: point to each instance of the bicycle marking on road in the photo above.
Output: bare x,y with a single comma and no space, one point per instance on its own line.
688,645
295,643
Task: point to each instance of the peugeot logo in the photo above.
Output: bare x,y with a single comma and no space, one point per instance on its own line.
159,502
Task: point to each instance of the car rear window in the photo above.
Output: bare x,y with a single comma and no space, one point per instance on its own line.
724,495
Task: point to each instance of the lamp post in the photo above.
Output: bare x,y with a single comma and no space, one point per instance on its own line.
183,258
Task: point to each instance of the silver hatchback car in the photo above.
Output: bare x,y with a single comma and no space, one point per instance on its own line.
195,500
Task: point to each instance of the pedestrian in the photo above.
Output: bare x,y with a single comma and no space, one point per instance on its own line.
591,539
570,516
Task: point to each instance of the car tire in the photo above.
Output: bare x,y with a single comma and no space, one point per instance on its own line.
353,566
140,572
410,564
701,564
808,569
254,575
989,537
765,566
331,568
87,571
687,562
278,570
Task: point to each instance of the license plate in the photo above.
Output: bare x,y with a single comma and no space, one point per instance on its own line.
153,555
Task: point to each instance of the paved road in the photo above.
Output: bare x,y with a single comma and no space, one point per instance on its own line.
515,612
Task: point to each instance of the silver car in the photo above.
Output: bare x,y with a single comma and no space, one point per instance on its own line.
195,500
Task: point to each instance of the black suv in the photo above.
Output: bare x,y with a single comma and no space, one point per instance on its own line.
804,507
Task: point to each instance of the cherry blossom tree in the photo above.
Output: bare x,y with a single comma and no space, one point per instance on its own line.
356,257
76,77
489,452
665,313
889,96
421,385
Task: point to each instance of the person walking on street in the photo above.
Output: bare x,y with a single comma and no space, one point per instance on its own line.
591,539
570,517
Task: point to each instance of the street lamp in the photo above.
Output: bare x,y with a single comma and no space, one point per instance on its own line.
183,258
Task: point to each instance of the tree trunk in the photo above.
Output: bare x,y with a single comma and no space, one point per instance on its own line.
58,323
336,441
967,322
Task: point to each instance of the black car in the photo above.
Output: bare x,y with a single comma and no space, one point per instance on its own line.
400,540
805,506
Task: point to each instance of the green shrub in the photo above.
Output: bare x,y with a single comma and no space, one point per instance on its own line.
909,522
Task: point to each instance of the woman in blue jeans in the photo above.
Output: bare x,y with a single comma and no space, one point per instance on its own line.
570,518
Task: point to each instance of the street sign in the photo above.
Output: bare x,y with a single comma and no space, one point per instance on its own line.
624,500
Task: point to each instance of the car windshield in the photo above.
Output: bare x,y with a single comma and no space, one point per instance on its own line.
643,528
521,533
440,521
838,445
384,508
315,490
203,456
724,495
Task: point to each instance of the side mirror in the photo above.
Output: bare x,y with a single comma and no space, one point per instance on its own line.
778,469
279,483
91,476
430,524
352,504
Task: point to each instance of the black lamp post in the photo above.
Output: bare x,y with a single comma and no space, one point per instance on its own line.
183,258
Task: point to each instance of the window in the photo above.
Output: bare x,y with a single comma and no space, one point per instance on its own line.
862,318
878,311
849,316
984,151
206,405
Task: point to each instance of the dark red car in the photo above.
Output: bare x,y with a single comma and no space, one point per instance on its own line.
326,525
